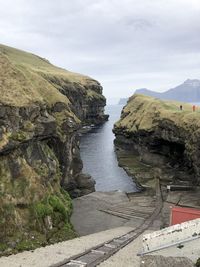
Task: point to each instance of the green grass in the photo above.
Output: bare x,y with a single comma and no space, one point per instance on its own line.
59,206
144,112
43,209
27,78
37,63
3,247
18,136
25,245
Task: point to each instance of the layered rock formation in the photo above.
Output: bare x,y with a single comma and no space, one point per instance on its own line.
162,140
41,109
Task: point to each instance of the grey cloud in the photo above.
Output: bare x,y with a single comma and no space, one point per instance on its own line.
124,44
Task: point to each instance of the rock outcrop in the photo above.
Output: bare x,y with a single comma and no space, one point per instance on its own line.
163,139
41,109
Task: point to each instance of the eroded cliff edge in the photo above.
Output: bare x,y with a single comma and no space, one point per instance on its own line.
160,139
41,109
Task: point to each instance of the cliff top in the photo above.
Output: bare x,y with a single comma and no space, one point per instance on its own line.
27,78
143,112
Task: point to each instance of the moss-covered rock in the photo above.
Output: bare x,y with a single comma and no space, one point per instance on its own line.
41,109
27,78
163,137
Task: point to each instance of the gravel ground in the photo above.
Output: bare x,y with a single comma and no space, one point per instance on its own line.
46,256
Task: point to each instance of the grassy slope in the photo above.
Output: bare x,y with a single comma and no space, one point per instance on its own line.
26,78
143,113
35,195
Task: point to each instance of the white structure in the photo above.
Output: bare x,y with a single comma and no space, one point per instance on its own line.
170,236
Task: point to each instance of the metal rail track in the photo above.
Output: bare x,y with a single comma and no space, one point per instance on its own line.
100,253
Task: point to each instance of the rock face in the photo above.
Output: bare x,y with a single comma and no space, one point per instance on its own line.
41,109
163,138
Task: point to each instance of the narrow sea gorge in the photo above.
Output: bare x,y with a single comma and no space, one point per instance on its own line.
99,157
100,134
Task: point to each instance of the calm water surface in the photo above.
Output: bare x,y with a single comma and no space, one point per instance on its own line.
99,158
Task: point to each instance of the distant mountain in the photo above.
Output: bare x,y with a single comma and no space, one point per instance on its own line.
148,92
189,91
122,101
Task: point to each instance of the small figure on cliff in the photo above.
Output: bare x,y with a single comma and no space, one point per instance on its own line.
193,108
181,107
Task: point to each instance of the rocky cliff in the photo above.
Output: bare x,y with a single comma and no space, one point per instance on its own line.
163,139
41,109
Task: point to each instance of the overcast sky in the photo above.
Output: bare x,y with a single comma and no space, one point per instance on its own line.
125,44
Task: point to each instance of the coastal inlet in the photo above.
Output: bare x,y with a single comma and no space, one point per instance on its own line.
99,158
